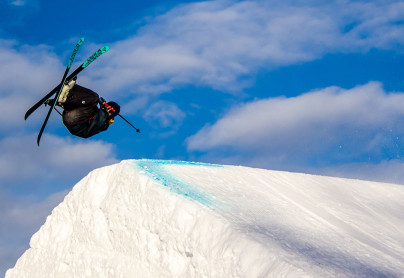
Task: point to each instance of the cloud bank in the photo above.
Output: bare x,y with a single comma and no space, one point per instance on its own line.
223,44
322,128
26,73
63,160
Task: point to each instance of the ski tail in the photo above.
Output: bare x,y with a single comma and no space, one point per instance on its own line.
76,48
94,56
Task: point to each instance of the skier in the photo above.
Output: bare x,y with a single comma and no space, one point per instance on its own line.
81,115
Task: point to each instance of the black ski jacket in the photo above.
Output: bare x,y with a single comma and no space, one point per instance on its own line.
81,114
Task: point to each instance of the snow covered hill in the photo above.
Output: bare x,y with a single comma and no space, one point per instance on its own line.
148,218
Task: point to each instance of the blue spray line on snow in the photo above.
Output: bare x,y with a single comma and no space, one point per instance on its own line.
156,170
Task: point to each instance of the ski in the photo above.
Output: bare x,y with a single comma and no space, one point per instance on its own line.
76,48
94,56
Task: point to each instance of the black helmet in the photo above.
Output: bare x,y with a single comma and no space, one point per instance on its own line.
115,108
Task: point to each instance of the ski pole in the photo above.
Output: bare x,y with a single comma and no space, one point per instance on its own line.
137,130
58,111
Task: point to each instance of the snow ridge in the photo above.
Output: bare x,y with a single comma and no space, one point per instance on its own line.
152,218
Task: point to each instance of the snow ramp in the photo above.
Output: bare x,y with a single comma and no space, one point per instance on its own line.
151,218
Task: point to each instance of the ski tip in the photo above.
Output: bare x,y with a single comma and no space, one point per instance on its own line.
96,54
81,40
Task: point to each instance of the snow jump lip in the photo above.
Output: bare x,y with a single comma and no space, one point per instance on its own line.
155,169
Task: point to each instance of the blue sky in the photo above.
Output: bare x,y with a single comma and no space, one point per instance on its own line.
307,86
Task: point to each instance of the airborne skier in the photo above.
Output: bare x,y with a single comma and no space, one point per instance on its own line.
81,114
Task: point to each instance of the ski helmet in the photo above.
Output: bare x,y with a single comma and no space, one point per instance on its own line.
114,106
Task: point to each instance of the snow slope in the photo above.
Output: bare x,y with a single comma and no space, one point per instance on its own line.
148,218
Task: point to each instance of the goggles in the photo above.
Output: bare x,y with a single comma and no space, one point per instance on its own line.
109,108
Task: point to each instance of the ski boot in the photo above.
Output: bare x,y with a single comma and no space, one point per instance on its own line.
63,95
65,91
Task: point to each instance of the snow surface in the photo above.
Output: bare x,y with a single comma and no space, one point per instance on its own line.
149,218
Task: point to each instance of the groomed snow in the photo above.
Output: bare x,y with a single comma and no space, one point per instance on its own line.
149,218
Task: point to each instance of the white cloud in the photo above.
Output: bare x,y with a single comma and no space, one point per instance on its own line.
166,116
325,127
60,159
25,3
222,44
26,68
26,74
18,3
216,44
